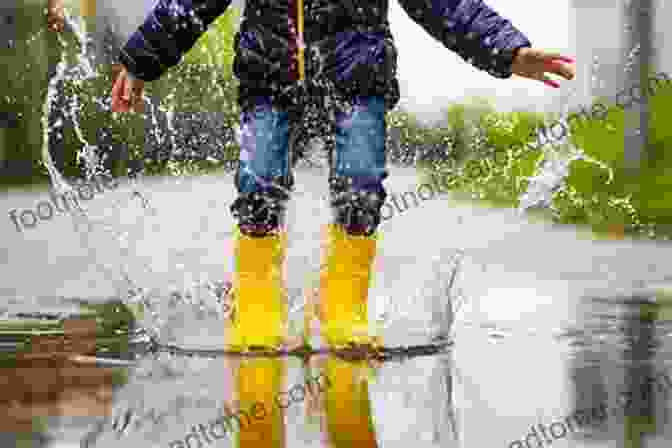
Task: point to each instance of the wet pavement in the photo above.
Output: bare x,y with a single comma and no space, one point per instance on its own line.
558,339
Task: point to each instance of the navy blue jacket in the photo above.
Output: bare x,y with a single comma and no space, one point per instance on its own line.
348,43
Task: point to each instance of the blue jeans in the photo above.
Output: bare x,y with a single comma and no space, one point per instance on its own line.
357,162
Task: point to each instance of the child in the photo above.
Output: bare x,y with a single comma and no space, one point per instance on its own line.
292,59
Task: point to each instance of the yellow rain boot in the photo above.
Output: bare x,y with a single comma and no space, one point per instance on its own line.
260,305
344,287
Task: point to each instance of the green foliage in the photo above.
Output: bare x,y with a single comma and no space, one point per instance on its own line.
486,154
601,192
489,160
202,82
114,321
215,46
637,199
127,129
24,86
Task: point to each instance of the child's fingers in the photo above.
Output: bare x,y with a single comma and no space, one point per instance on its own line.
544,78
550,82
137,94
118,104
560,68
566,59
116,88
558,56
564,71
116,97
126,89
139,105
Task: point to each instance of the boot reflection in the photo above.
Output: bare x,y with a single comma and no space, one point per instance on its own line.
259,383
348,409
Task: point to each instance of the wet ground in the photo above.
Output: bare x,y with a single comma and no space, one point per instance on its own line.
557,339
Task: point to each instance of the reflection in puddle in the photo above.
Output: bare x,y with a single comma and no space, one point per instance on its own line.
44,382
323,400
620,367
619,382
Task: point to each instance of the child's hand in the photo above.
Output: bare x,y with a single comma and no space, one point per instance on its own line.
55,15
127,93
534,64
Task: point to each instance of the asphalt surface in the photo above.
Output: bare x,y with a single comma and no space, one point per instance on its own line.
530,343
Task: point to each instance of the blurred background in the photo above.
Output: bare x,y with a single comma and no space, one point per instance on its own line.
452,114
556,295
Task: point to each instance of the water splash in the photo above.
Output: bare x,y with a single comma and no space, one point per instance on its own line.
83,224
543,185
57,180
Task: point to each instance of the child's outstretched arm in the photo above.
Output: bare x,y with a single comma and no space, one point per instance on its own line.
168,32
485,39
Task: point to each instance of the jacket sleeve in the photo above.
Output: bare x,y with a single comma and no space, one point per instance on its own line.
472,29
168,32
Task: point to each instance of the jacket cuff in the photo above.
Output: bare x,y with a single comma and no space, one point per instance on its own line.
498,62
131,76
143,64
